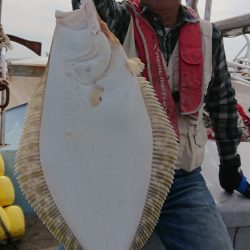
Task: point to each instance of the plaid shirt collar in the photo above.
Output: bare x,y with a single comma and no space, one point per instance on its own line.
168,40
184,15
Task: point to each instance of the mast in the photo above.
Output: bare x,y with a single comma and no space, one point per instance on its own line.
0,10
4,88
193,4
208,9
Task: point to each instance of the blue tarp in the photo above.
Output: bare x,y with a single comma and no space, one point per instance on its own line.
14,126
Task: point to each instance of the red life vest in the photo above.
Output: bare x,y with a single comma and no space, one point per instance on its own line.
190,74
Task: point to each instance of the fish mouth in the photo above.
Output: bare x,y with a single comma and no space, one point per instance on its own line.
84,49
71,19
87,63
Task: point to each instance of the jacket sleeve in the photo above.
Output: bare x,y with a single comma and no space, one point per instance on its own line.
115,14
221,103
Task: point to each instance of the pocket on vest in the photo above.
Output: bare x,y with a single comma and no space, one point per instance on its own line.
191,68
192,148
191,56
200,139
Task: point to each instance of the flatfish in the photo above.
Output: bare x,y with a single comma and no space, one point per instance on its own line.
97,153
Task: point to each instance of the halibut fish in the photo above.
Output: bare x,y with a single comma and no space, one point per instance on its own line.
97,153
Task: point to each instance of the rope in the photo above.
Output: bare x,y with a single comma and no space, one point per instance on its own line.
9,245
5,229
4,87
4,40
5,246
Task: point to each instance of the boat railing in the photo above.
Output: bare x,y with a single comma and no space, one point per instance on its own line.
240,66
242,60
240,72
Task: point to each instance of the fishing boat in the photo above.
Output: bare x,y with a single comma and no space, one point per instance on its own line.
23,76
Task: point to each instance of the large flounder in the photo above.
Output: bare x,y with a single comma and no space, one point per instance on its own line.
97,153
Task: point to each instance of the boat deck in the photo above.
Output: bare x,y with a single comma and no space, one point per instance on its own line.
37,237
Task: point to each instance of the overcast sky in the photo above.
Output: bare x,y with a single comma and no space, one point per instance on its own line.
34,20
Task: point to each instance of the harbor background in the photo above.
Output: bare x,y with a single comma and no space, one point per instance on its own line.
34,20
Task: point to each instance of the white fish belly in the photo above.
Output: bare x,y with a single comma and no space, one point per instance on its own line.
96,159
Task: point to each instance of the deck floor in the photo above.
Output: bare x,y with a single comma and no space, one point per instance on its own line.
37,237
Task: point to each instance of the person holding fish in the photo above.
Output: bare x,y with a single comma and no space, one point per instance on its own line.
185,62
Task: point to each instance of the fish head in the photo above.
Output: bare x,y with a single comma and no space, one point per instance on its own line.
84,50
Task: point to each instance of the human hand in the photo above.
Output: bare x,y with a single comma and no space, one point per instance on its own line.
231,177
